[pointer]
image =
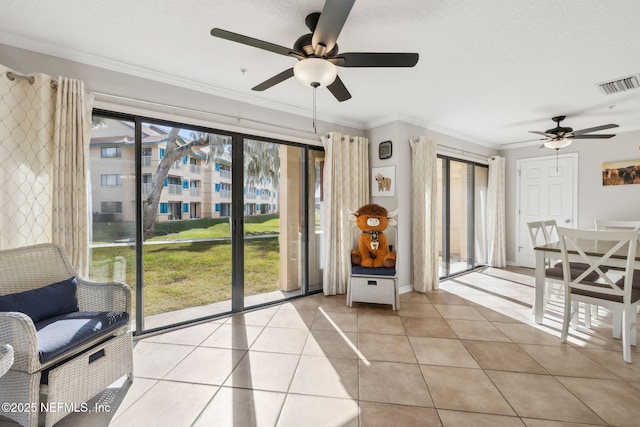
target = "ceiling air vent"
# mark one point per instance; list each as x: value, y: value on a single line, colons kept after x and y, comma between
x: 620, y: 85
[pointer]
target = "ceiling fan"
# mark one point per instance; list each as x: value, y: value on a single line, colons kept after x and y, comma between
x: 317, y: 52
x: 560, y: 136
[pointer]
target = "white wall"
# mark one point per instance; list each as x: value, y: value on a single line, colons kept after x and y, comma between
x: 399, y: 133
x: 620, y: 202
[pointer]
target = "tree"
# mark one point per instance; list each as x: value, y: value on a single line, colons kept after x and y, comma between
x: 175, y: 149
x: 261, y: 165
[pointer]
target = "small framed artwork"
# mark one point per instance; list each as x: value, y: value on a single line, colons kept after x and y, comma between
x: 383, y: 181
x: 621, y: 173
x: 384, y: 150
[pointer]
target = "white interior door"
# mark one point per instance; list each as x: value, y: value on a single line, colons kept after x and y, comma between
x: 547, y: 189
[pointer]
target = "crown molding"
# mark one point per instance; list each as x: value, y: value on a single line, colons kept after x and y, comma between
x: 430, y: 126
x: 150, y: 74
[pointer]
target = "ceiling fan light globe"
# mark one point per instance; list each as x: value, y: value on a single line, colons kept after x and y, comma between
x: 558, y: 143
x: 315, y: 70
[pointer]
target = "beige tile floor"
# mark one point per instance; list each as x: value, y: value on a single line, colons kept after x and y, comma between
x: 468, y: 354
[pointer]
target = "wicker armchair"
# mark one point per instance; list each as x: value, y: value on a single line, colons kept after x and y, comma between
x: 77, y: 374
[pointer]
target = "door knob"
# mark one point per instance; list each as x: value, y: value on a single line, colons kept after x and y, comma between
x: 567, y: 221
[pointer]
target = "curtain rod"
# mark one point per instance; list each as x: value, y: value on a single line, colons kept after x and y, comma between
x: 466, y: 152
x: 12, y: 75
x: 193, y: 110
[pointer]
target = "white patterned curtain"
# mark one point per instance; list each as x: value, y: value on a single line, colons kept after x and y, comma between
x: 44, y: 135
x: 424, y: 214
x: 496, y: 227
x: 71, y: 183
x: 26, y: 153
x: 346, y: 187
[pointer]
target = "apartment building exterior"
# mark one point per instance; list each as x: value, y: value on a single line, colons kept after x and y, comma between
x: 192, y: 188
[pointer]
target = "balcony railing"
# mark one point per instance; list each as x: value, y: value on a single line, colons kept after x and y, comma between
x: 146, y: 161
x: 195, y: 169
x: 225, y: 173
x: 225, y: 194
x: 195, y: 191
x: 175, y: 189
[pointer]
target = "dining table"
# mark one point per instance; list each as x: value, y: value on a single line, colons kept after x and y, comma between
x: 593, y: 249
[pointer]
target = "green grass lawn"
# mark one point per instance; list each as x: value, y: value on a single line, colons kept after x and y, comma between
x: 181, y: 274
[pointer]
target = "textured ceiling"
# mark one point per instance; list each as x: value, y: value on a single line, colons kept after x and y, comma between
x: 489, y: 70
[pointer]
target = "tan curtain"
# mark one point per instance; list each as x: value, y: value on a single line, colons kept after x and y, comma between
x: 44, y: 148
x: 26, y: 159
x: 346, y: 187
x: 424, y: 187
x: 496, y: 226
x: 70, y: 205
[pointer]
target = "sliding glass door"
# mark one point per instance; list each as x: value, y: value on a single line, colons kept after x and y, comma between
x: 187, y: 256
x: 273, y: 203
x: 461, y: 211
x: 200, y: 222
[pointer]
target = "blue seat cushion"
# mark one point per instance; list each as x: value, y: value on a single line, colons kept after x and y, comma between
x: 64, y: 332
x: 373, y: 271
x: 45, y: 302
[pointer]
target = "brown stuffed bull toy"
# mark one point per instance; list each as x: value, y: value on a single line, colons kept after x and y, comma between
x: 373, y: 248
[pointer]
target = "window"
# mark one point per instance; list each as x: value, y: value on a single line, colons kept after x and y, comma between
x: 110, y: 152
x: 111, y: 207
x: 110, y: 179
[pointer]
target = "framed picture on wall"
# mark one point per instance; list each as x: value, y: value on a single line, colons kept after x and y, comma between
x: 383, y: 181
x: 621, y: 173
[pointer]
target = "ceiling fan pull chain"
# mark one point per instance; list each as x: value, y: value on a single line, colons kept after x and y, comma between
x: 315, y: 88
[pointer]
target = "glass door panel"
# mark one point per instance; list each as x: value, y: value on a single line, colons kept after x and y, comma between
x: 481, y: 183
x: 113, y: 201
x: 458, y: 216
x: 186, y: 223
x: 441, y: 220
x: 315, y: 221
x: 273, y: 221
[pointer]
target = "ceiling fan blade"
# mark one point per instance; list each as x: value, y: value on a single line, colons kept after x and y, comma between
x: 332, y: 19
x: 377, y: 59
x: 527, y: 140
x: 338, y: 89
x: 601, y: 136
x: 278, y: 78
x: 250, y: 41
x: 538, y: 133
x: 594, y: 129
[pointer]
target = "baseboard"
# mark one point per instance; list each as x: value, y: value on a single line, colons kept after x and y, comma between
x: 405, y: 289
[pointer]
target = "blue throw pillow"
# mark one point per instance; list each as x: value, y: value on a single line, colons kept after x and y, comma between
x: 42, y: 303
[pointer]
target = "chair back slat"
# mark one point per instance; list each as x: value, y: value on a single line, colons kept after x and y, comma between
x: 580, y: 241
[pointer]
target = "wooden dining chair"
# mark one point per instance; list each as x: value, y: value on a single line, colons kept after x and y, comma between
x: 541, y: 233
x: 615, y: 225
x: 621, y: 296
